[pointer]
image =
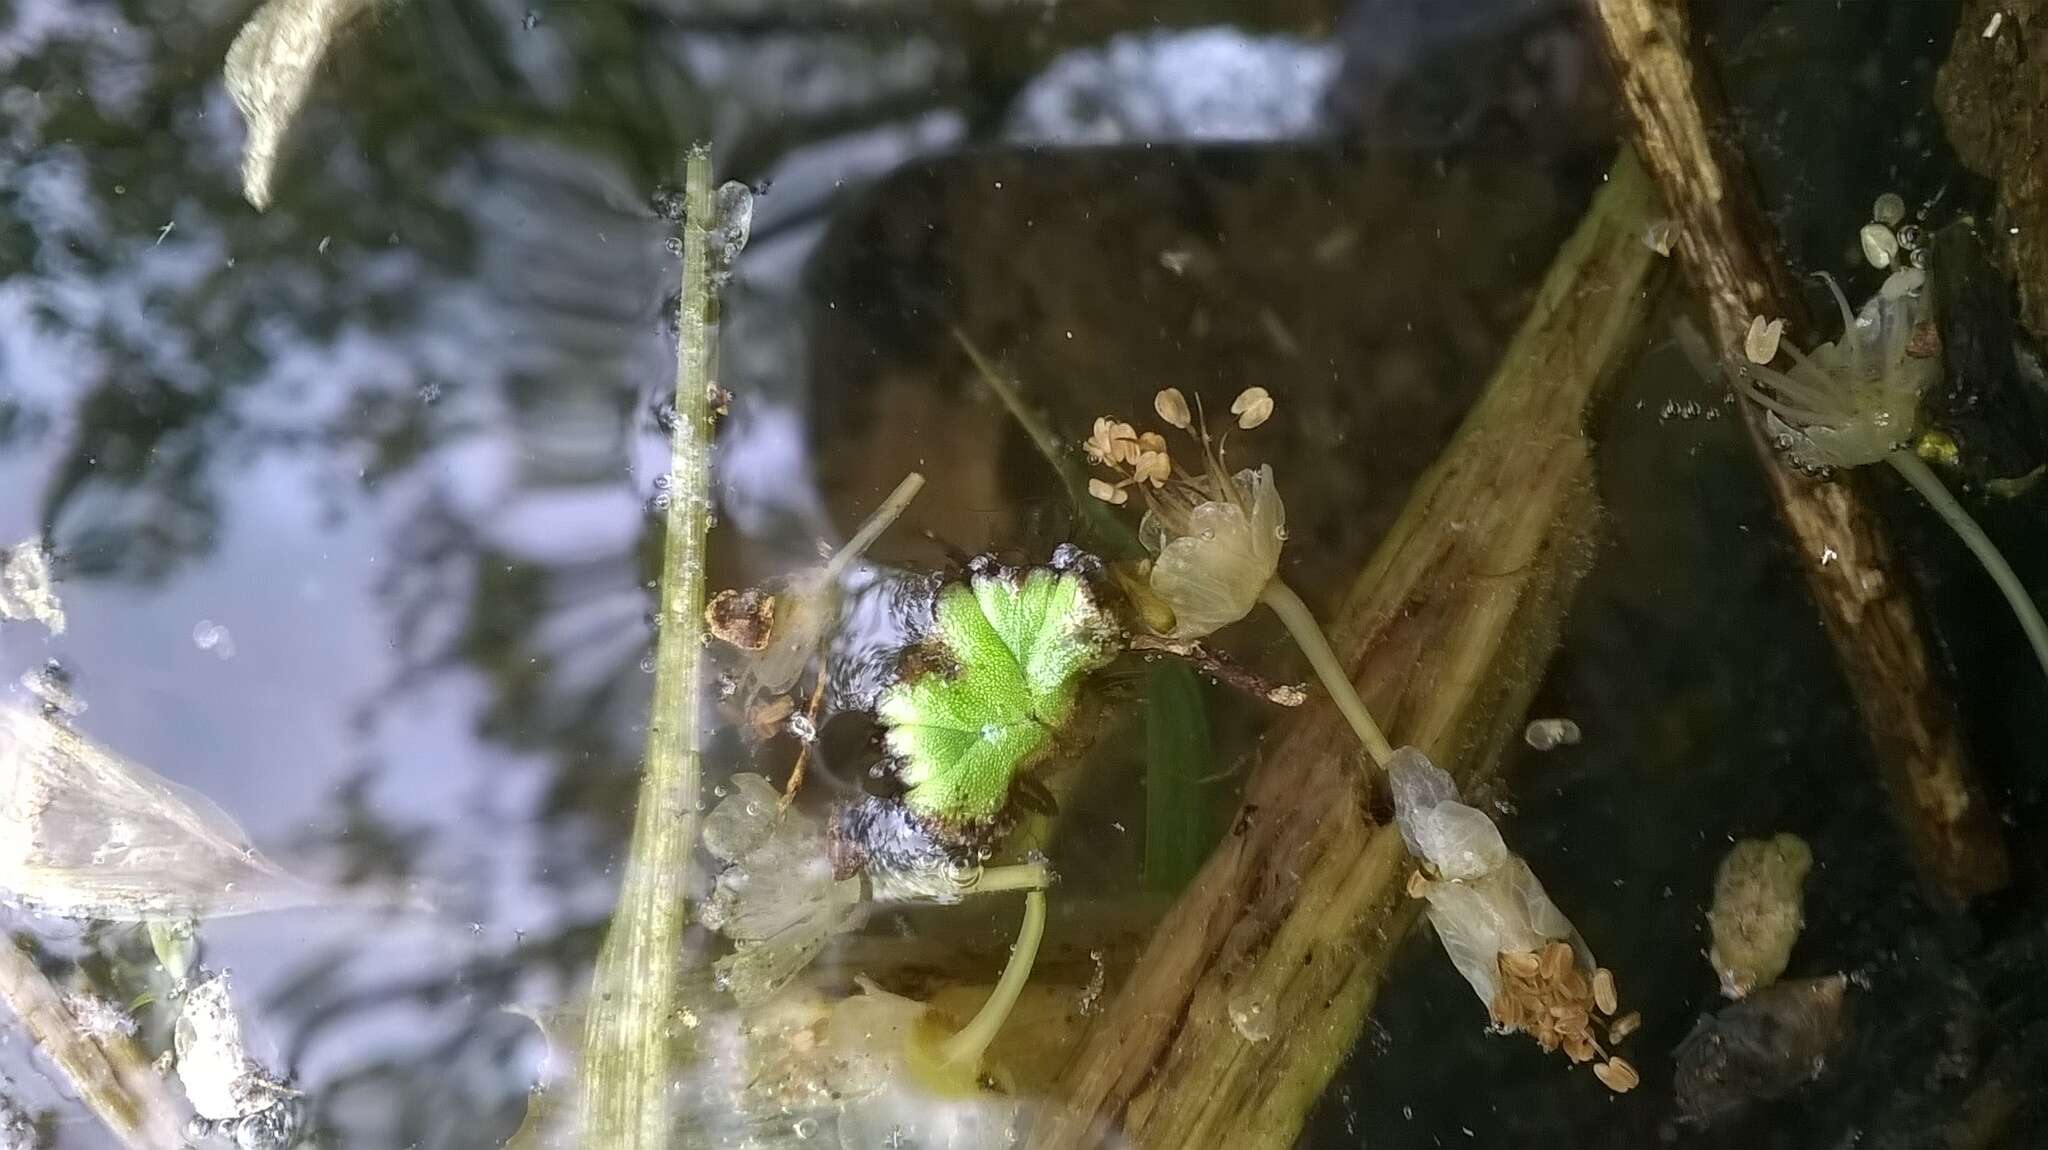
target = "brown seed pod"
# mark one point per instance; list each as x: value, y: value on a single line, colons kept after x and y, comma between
x: 744, y: 618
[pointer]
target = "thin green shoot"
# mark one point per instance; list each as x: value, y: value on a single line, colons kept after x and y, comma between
x: 877, y: 522
x: 1945, y: 505
x: 1308, y: 635
x: 963, y: 1051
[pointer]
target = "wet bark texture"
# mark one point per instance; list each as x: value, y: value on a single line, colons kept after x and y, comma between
x: 1724, y: 250
x: 1993, y: 97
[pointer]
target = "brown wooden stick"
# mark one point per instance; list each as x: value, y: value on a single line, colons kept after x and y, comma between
x: 109, y: 1074
x: 1230, y: 674
x: 1253, y: 990
x: 1724, y: 250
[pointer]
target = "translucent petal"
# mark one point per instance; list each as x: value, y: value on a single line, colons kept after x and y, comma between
x: 1212, y: 570
x: 1489, y: 900
x: 804, y: 610
x: 743, y: 820
x: 1459, y: 841
x: 778, y: 902
x: 87, y: 834
x: 870, y: 1037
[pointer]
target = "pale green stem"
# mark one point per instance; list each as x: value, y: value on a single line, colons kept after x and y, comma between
x: 990, y: 880
x: 966, y: 1047
x: 1935, y: 492
x: 629, y: 1042
x: 1019, y: 876
x: 877, y: 523
x: 1308, y: 635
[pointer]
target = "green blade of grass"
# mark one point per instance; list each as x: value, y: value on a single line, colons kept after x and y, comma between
x: 1180, y: 824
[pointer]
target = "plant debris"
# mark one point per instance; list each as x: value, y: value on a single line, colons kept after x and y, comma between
x: 270, y: 70
x: 221, y: 1081
x: 86, y: 834
x: 25, y: 591
x: 1758, y: 911
x: 744, y: 618
x: 1759, y: 1048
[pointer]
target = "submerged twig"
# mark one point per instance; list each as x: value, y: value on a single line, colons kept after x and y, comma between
x: 628, y: 1041
x: 109, y: 1074
x: 1223, y: 670
x: 1723, y: 246
x: 803, y: 750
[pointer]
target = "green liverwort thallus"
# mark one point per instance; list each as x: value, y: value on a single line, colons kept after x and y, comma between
x: 1011, y: 647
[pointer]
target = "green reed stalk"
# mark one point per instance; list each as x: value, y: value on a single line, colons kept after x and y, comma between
x: 629, y: 1038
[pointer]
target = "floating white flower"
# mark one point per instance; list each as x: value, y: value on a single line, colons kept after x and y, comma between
x: 1216, y: 537
x: 1855, y: 400
x: 1217, y: 544
x: 1519, y: 952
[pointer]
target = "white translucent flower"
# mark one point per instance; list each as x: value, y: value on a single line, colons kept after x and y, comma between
x: 1485, y: 901
x: 777, y: 900
x: 1856, y: 400
x: 1217, y: 544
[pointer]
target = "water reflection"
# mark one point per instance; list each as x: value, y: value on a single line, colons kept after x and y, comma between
x: 388, y: 447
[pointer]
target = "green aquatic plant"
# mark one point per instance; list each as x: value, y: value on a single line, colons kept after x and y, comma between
x: 992, y: 687
x: 1855, y: 401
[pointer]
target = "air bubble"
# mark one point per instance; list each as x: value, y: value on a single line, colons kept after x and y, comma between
x: 802, y: 728
x: 208, y: 635
x: 1251, y: 1015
